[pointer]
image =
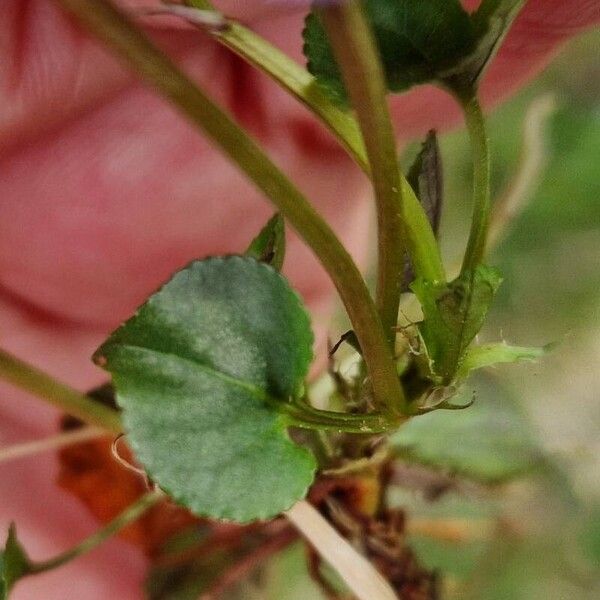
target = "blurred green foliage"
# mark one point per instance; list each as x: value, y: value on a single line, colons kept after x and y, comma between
x: 488, y: 442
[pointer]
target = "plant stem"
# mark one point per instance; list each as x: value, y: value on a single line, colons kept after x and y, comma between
x: 354, y: 48
x: 293, y: 78
x: 296, y: 80
x: 481, y: 181
x: 107, y: 23
x: 305, y: 416
x: 54, y: 442
x: 128, y: 516
x: 64, y: 397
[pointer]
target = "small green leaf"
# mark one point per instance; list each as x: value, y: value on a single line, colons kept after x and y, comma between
x: 269, y: 245
x: 453, y: 315
x: 478, y: 357
x: 198, y: 371
x: 489, y: 442
x: 14, y: 563
x: 419, y: 41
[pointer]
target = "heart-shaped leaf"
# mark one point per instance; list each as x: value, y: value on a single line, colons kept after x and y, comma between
x: 419, y: 41
x: 14, y: 563
x: 199, y: 370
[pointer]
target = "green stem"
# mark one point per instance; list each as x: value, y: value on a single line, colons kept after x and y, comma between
x: 128, y: 516
x: 111, y: 26
x: 420, y: 238
x: 422, y: 244
x: 481, y: 181
x: 300, y: 414
x: 354, y: 48
x: 292, y: 77
x: 71, y: 401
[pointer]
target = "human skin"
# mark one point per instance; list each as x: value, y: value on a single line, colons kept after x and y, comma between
x: 105, y: 190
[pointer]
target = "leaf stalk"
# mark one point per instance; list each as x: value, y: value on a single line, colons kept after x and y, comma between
x: 293, y: 78
x: 28, y: 378
x: 300, y: 414
x: 354, y: 48
x: 480, y: 223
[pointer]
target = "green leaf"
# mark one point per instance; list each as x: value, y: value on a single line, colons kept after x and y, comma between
x: 490, y: 442
x: 197, y: 370
x: 486, y: 355
x: 14, y: 563
x: 419, y: 41
x: 453, y: 315
x: 416, y: 39
x: 269, y: 245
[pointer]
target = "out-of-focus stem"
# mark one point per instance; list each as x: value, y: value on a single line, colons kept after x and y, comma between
x: 74, y: 403
x: 55, y: 442
x: 532, y: 162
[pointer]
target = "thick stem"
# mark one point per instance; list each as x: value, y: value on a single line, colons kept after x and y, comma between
x: 111, y: 26
x: 354, y: 48
x: 128, y: 516
x: 481, y: 182
x: 71, y: 401
x: 250, y: 562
